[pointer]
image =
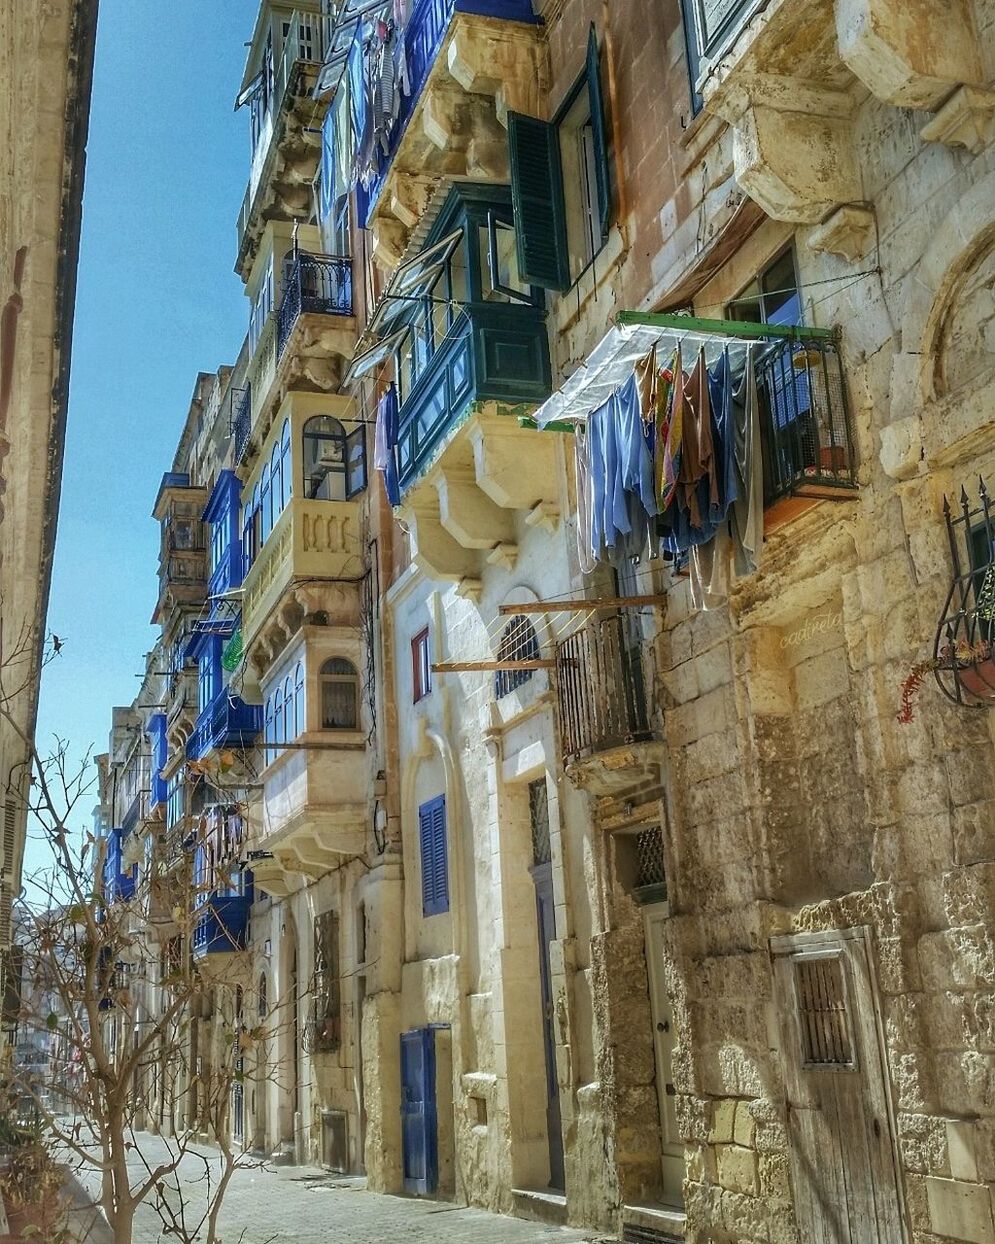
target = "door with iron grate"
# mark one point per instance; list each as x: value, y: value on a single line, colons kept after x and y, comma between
x: 839, y: 1115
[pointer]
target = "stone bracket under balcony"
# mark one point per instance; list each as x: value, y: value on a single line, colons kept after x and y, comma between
x: 485, y: 67
x: 792, y: 80
x: 462, y: 511
x: 318, y: 839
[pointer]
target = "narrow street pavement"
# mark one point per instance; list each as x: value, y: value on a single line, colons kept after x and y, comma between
x: 306, y: 1204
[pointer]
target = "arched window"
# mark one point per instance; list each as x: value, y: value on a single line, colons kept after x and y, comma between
x: 518, y: 643
x: 300, y: 721
x: 276, y: 484
x: 324, y: 459
x: 278, y: 731
x: 265, y: 505
x: 263, y: 1006
x: 239, y: 1004
x: 339, y: 695
x: 285, y: 463
x: 289, y: 714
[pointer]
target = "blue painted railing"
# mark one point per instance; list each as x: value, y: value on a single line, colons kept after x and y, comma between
x: 222, y: 925
x: 226, y: 722
x: 423, y: 37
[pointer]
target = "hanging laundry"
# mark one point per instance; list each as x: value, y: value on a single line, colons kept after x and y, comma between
x: 586, y: 558
x: 748, y: 506
x: 720, y: 392
x: 385, y: 443
x: 697, y: 458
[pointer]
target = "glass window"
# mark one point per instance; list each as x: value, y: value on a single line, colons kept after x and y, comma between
x: 339, y: 695
x: 268, y: 730
x: 324, y: 459
x: 265, y: 507
x: 773, y: 298
x: 499, y: 274
x: 518, y: 643
x: 300, y: 720
x: 276, y: 483
x: 285, y: 464
x: 421, y: 665
x: 580, y: 186
x: 279, y: 736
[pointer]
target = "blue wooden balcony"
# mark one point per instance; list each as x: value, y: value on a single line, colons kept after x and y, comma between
x: 492, y: 353
x: 222, y: 925
x: 225, y: 722
x: 424, y: 36
x: 118, y: 882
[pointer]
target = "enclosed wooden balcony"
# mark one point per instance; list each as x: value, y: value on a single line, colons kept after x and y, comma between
x: 310, y: 540
x: 315, y: 803
x: 283, y: 64
x: 469, y: 64
x: 182, y: 549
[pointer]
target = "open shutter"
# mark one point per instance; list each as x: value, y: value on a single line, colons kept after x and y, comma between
x: 537, y: 201
x: 599, y: 133
x: 355, y: 462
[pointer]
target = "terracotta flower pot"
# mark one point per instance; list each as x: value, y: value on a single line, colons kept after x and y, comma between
x: 977, y: 680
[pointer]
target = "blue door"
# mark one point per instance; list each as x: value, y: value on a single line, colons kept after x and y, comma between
x: 419, y: 1115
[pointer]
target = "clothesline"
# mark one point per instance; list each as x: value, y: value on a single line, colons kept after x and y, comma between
x: 634, y: 334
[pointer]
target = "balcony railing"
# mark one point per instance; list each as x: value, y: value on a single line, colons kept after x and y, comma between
x: 241, y: 422
x: 806, y: 436
x: 601, y: 690
x: 225, y: 722
x: 317, y: 285
x: 423, y: 36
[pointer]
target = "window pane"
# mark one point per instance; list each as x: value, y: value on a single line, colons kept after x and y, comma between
x: 781, y: 300
x: 338, y: 704
x: 507, y: 274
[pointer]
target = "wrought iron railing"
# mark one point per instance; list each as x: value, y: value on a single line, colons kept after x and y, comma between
x: 601, y: 689
x: 319, y: 284
x: 806, y: 436
x: 241, y: 421
x: 964, y: 651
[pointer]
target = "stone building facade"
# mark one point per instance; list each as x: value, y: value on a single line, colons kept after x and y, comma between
x: 642, y: 916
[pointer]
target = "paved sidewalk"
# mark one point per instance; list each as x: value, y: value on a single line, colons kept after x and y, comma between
x: 265, y: 1205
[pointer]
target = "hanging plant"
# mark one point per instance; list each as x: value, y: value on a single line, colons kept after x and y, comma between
x: 964, y: 656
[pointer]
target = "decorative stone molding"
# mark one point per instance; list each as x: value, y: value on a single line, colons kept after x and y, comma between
x: 847, y: 232
x: 910, y: 53
x: 965, y: 120
x: 467, y: 513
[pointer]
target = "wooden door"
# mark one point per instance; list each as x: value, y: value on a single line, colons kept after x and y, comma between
x: 542, y: 876
x: 419, y: 1111
x: 671, y: 1146
x: 839, y: 1116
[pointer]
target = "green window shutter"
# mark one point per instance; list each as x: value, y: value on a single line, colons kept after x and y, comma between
x: 537, y: 201
x: 601, y: 169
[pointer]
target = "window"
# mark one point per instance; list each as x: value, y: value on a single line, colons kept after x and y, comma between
x: 822, y: 1012
x: 327, y: 987
x: 339, y: 695
x: 262, y: 305
x: 772, y: 298
x: 209, y: 675
x: 175, y: 799
x: 519, y: 642
x: 560, y: 183
x: 269, y: 735
x: 299, y: 705
x: 434, y: 858
x: 283, y: 714
x: 285, y: 466
x: 539, y: 821
x: 334, y: 463
x: 263, y: 1006
x: 421, y: 665
x: 276, y: 485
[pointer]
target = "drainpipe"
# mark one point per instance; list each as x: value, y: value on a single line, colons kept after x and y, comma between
x: 623, y: 198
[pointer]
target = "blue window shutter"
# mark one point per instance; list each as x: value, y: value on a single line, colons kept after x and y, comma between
x: 599, y: 132
x: 434, y: 857
x: 537, y: 201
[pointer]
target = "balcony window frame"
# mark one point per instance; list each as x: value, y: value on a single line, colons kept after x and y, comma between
x: 336, y: 673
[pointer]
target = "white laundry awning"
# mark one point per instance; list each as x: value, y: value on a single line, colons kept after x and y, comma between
x: 634, y: 334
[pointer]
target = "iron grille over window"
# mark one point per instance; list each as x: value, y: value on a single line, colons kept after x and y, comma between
x: 649, y: 852
x: 327, y: 991
x: 539, y: 819
x: 822, y: 1012
x: 519, y: 642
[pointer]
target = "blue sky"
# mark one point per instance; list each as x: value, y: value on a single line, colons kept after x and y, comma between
x: 167, y: 163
